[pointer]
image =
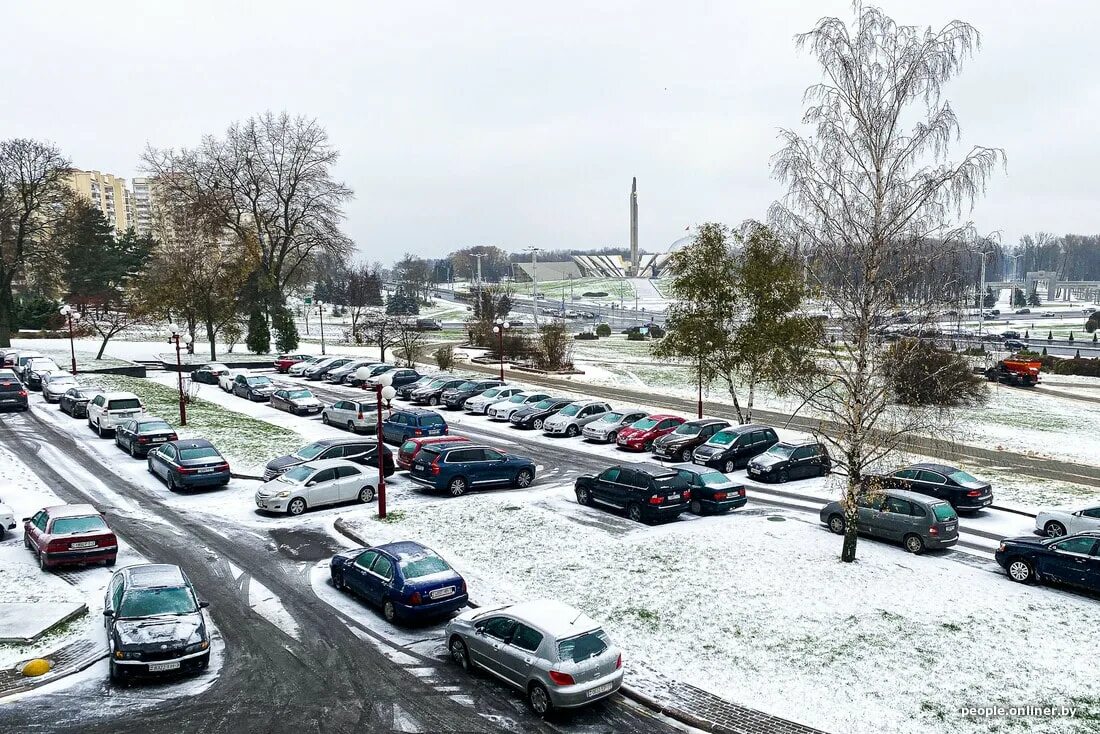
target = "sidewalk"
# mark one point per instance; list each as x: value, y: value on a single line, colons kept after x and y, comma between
x: 71, y: 658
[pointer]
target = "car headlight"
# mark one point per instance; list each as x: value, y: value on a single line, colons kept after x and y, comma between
x: 284, y: 494
x: 197, y: 647
x: 127, y: 655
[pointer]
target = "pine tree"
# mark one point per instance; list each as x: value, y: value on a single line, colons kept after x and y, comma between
x: 286, y: 332
x: 1050, y: 336
x: 1071, y: 337
x: 1044, y: 351
x: 1077, y: 355
x: 1027, y: 334
x: 258, y: 340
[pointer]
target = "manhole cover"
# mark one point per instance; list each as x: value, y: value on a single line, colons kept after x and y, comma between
x: 776, y: 518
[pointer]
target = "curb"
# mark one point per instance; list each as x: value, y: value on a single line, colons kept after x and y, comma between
x: 633, y: 694
x: 82, y: 609
x: 235, y: 475
x: 22, y: 685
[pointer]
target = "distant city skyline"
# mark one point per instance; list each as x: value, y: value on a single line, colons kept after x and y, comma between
x: 502, y: 124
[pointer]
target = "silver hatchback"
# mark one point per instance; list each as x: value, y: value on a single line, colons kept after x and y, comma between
x: 558, y: 656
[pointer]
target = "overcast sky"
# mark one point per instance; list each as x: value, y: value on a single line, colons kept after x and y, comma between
x: 521, y: 124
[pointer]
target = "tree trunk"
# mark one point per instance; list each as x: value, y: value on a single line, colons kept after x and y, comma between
x: 851, y: 516
x: 103, y: 345
x: 752, y: 398
x: 191, y: 330
x: 210, y: 338
x: 6, y: 316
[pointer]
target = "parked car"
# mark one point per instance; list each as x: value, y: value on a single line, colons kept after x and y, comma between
x: 36, y: 369
x: 399, y: 376
x: 432, y: 393
x: 54, y: 385
x: 428, y: 325
x: 1015, y: 344
x: 1023, y: 310
x: 357, y: 416
x: 8, y: 357
x: 411, y: 448
x: 457, y: 469
x: 605, y: 429
x: 227, y: 379
x: 138, y: 436
x: 406, y: 423
x: 7, y: 519
x: 791, y: 460
x: 155, y: 622
x: 298, y: 401
x: 1056, y: 523
x: 640, y: 435
x: 13, y: 395
x: 108, y: 409
x: 646, y: 492
x: 406, y: 579
x: 712, y: 492
x: 256, y: 388
x: 284, y: 362
x: 916, y: 521
x: 357, y: 450
x: 965, y: 492
x: 317, y: 483
x: 376, y: 369
x: 503, y: 410
x: 732, y: 448
x: 570, y: 420
x: 407, y: 389
x: 1047, y: 314
x: 209, y: 373
x: 681, y: 443
x: 456, y: 397
x: 340, y: 374
x: 296, y: 369
x: 556, y: 655
x: 21, y: 360
x: 534, y: 416
x: 318, y: 370
x: 184, y: 464
x: 1071, y: 559
x: 1011, y: 334
x: 73, y: 401
x: 479, y: 404
x: 64, y: 535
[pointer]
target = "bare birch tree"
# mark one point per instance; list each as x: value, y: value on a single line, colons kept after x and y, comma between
x: 873, y: 202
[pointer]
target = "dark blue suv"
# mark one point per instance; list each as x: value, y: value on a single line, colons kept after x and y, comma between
x: 409, y: 423
x: 458, y: 467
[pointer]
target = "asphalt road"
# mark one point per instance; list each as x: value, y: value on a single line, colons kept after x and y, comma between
x: 341, y: 676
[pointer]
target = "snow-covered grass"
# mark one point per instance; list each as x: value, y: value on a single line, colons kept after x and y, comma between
x: 554, y: 289
x: 58, y: 351
x: 762, y: 613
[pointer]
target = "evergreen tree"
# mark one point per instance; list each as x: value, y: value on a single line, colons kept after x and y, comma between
x: 1019, y: 300
x: 258, y: 340
x: 1071, y: 337
x: 1050, y: 336
x: 286, y: 332
x: 1033, y: 299
x: 1077, y: 355
x: 1044, y: 351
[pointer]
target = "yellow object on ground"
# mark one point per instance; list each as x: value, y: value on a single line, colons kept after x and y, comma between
x: 36, y: 667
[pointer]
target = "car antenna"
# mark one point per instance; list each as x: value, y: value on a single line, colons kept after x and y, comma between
x: 576, y: 618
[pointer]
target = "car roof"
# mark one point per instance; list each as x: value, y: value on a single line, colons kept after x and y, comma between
x: 149, y: 419
x: 153, y: 575
x: 328, y: 463
x: 555, y: 618
x: 588, y: 401
x: 705, y: 422
x: 746, y: 427
x: 117, y: 395
x: 414, y: 411
x: 662, y: 416
x: 914, y: 497
x: 653, y: 470
x: 192, y: 443
x: 941, y: 468
x: 326, y: 442
x: 403, y: 549
x: 79, y: 510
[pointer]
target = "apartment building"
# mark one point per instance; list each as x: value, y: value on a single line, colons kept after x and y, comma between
x: 143, y: 212
x: 108, y: 193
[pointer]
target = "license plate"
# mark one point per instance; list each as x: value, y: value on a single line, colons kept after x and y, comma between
x: 420, y: 467
x: 127, y: 414
x: 597, y: 691
x: 440, y: 593
x: 753, y: 471
x: 160, y: 667
x: 7, y: 400
x: 205, y: 471
x: 949, y: 528
x: 82, y: 544
x: 159, y: 440
x: 672, y: 497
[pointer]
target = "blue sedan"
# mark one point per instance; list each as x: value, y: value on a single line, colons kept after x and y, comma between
x: 407, y: 580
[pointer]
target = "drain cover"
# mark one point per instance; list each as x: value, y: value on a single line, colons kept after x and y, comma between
x: 776, y: 518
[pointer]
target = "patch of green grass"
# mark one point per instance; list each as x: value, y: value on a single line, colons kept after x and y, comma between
x: 393, y: 517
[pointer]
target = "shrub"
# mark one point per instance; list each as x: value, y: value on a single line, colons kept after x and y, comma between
x: 1077, y: 366
x: 635, y: 336
x: 594, y: 294
x: 921, y: 374
x: 586, y: 336
x: 553, y: 347
x: 444, y: 357
x: 1071, y: 337
x: 603, y: 330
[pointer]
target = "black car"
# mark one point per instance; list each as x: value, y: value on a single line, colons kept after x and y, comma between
x: 74, y: 401
x: 318, y: 373
x: 647, y: 492
x: 965, y: 492
x: 733, y: 447
x: 208, y: 374
x: 353, y: 380
x: 432, y: 393
x: 296, y: 400
x: 1015, y: 344
x: 405, y: 390
x: 189, y: 463
x: 712, y: 492
x: 1070, y: 559
x: 791, y: 460
x: 428, y: 325
x: 679, y: 445
x: 534, y: 415
x: 13, y: 396
x: 359, y: 450
x: 139, y: 435
x: 1011, y: 334
x: 456, y: 397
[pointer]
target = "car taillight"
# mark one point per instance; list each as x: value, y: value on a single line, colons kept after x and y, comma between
x: 360, y: 415
x: 932, y: 531
x: 1001, y: 548
x: 619, y: 661
x: 435, y: 466
x: 561, y: 679
x: 418, y: 432
x: 173, y: 437
x: 741, y: 492
x: 655, y: 500
x: 56, y: 546
x: 461, y: 587
x: 224, y: 466
x: 188, y: 470
x: 415, y: 598
x: 143, y: 439
x: 22, y: 393
x: 719, y: 496
x: 687, y: 494
x: 974, y: 493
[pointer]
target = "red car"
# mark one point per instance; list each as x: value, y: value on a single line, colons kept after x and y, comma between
x: 284, y: 362
x: 410, y: 448
x: 640, y: 435
x: 70, y: 534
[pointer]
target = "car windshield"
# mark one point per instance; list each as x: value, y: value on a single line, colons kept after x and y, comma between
x: 466, y: 386
x: 713, y: 478
x: 437, y: 383
x: 86, y: 524
x: 781, y: 450
x: 153, y: 602
x: 491, y: 392
x: 612, y: 417
x: 688, y: 429
x: 408, y: 447
x: 963, y: 478
x: 944, y: 512
x: 425, y: 565
x: 299, y: 394
x: 644, y: 424
x: 571, y: 409
x: 199, y: 452
x: 723, y: 438
x: 83, y: 394
x: 517, y: 398
x: 310, y: 451
x: 258, y: 380
x: 153, y: 427
x: 62, y: 380
x: 298, y: 473
x: 583, y: 647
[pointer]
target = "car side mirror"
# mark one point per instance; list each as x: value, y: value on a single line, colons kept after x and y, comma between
x: 310, y: 483
x: 25, y: 519
x: 204, y: 604
x: 479, y: 630
x: 108, y: 612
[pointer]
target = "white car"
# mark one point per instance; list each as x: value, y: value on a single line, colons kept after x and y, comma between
x: 108, y: 409
x: 1056, y: 523
x: 225, y: 381
x: 54, y: 385
x: 503, y: 410
x: 1047, y: 314
x: 298, y: 368
x: 316, y: 483
x: 571, y: 420
x: 479, y: 404
x: 7, y: 520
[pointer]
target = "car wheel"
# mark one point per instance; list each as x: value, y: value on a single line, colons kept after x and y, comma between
x: 784, y: 476
x: 110, y: 561
x: 134, y: 451
x: 118, y: 677
x: 42, y: 562
x: 389, y: 611
x: 729, y: 467
x: 696, y: 507
x: 459, y: 653
x: 1054, y: 529
x: 324, y: 418
x: 539, y: 699
x: 118, y: 443
x: 338, y: 582
x: 537, y: 425
x: 584, y: 497
x: 1021, y: 571
x: 836, y: 524
x: 351, y: 427
x: 572, y: 431
x: 366, y: 494
x: 685, y: 456
x: 613, y: 436
x: 433, y: 400
x: 914, y: 544
x: 98, y: 429
x: 523, y: 479
x: 170, y: 480
x: 149, y: 466
x: 634, y: 512
x: 296, y: 506
x: 457, y: 487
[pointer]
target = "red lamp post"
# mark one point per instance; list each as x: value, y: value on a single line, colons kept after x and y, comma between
x: 499, y: 330
x: 71, y: 313
x: 383, y: 391
x: 176, y: 337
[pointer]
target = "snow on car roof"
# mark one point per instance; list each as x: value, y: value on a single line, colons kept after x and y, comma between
x: 553, y: 617
x: 151, y: 575
x: 71, y: 510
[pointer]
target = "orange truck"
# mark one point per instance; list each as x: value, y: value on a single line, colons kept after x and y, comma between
x: 1018, y: 372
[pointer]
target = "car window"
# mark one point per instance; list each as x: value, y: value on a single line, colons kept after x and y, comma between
x: 149, y: 426
x: 383, y: 567
x: 491, y: 393
x: 200, y: 452
x: 492, y: 454
x: 666, y: 423
x: 944, y: 512
x: 931, y: 477
x: 723, y: 438
x: 644, y: 424
x: 124, y: 404
x: 1075, y: 545
x: 415, y: 567
x: 366, y: 558
x: 325, y: 475
x: 635, y: 479
x: 906, y: 474
x: 116, y: 593
x: 40, y: 520
x: 611, y: 475
x: 431, y: 420
x: 583, y: 647
x: 872, y: 502
x: 526, y: 638
x: 569, y: 410
x: 899, y: 506
x: 689, y: 429
x: 916, y: 510
x: 343, y: 472
x: 1091, y: 512
x: 298, y: 473
x: 499, y: 627
x: 802, y: 452
x: 408, y: 447
x: 960, y: 477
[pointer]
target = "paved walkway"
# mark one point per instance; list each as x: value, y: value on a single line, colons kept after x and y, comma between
x: 69, y: 659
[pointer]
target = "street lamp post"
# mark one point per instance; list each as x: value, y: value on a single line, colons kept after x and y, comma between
x: 321, y: 312
x: 383, y: 391
x: 500, y: 327
x: 176, y: 337
x: 71, y: 313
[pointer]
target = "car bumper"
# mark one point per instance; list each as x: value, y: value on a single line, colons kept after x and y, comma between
x: 432, y: 609
x: 723, y: 505
x: 434, y: 483
x: 308, y: 410
x: 763, y: 475
x: 183, y: 664
x: 202, y: 480
x: 936, y: 543
x: 16, y: 404
x: 455, y: 403
x: 667, y: 452
x: 92, y: 555
x: 582, y: 694
x: 272, y: 504
x: 259, y: 397
x: 663, y: 512
x: 631, y: 445
x: 974, y: 506
x: 554, y: 430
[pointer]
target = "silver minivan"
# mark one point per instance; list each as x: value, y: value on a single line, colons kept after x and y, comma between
x: 917, y: 521
x: 358, y: 416
x: 572, y: 418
